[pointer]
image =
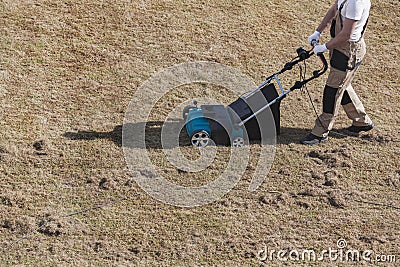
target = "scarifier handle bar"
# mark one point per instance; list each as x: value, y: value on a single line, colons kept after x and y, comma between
x: 302, y: 55
x: 316, y: 73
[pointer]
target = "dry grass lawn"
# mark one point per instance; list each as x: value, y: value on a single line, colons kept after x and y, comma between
x: 68, y: 70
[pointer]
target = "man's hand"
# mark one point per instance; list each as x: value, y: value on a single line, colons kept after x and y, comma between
x: 320, y: 49
x: 315, y: 36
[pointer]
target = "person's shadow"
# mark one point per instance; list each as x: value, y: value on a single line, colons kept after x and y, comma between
x: 153, y: 134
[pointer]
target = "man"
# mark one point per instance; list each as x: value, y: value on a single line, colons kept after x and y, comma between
x: 348, y: 19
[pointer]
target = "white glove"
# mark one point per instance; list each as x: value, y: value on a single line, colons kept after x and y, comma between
x: 315, y: 36
x: 320, y: 49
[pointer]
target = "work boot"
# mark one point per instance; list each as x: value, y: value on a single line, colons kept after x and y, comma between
x: 357, y: 129
x: 312, y: 139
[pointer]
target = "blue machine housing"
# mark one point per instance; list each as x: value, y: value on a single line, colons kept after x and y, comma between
x: 195, y: 122
x: 216, y: 121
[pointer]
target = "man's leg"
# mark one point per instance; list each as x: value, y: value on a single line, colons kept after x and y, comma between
x: 337, y: 83
x: 354, y: 108
x: 325, y: 121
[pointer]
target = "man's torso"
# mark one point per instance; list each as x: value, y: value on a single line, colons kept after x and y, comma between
x: 357, y: 10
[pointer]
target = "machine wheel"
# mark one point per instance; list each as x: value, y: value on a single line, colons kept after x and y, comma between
x: 238, y: 141
x: 185, y: 111
x: 200, y: 139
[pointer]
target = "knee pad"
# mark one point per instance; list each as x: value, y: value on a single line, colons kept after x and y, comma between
x: 328, y: 100
x: 346, y: 99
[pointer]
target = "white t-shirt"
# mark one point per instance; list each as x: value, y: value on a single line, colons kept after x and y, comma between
x: 356, y: 10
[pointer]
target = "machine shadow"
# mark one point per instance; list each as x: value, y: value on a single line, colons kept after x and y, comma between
x: 153, y: 134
